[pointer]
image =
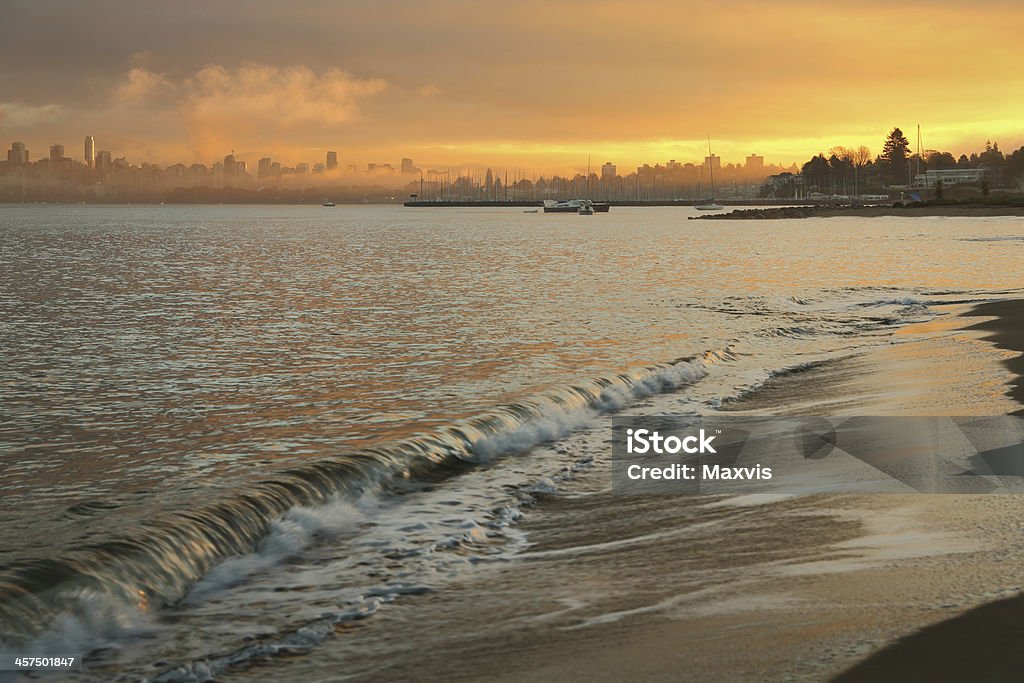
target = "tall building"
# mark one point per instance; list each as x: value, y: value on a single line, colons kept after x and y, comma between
x: 609, y: 170
x: 755, y: 162
x: 263, y: 168
x: 230, y: 165
x: 90, y: 151
x: 104, y: 161
x: 713, y: 162
x: 56, y: 152
x: 17, y: 155
x: 408, y: 167
x: 332, y: 161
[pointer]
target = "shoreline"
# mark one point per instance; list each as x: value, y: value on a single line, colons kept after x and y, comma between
x: 908, y: 211
x: 1006, y: 331
x: 982, y: 643
x: 844, y: 587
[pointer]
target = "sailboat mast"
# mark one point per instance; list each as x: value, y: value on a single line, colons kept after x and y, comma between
x: 919, y: 149
x: 711, y: 167
x: 588, y: 176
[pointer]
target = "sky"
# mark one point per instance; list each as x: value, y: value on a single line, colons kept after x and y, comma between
x: 535, y: 86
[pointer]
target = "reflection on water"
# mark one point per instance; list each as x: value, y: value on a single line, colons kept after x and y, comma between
x: 158, y: 357
x: 154, y: 348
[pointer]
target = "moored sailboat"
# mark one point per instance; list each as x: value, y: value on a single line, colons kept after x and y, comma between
x: 710, y: 204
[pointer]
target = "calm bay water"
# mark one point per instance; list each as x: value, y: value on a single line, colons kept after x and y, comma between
x: 161, y: 360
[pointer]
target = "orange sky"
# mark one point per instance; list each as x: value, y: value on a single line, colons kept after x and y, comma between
x: 537, y: 86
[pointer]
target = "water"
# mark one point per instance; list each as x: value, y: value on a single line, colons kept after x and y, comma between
x: 229, y: 433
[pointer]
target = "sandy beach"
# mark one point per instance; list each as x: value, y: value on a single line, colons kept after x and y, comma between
x: 843, y: 587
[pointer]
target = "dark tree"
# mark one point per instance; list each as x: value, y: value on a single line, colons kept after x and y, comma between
x: 817, y: 173
x: 1013, y: 169
x: 939, y: 160
x: 894, y: 156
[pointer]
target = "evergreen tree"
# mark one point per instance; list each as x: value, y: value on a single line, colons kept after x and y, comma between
x: 992, y: 161
x: 894, y: 156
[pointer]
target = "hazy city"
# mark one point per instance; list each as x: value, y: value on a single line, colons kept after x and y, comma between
x: 844, y: 173
x: 96, y: 175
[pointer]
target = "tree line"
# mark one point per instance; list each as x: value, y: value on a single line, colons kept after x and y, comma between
x: 853, y: 170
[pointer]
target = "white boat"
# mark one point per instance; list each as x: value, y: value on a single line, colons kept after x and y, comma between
x: 586, y: 208
x: 573, y: 206
x: 710, y: 204
x: 328, y: 202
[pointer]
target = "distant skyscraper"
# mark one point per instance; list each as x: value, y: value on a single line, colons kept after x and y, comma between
x: 230, y: 165
x: 56, y: 152
x: 263, y: 168
x: 332, y: 161
x: 608, y: 170
x: 302, y: 168
x: 104, y: 162
x: 90, y: 151
x: 408, y: 167
x: 755, y: 162
x: 318, y: 168
x: 17, y: 155
x: 714, y: 161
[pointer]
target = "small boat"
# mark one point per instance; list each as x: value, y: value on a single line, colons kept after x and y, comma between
x: 586, y: 208
x: 327, y: 202
x: 573, y: 206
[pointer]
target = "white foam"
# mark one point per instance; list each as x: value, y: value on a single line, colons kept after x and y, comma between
x: 290, y: 534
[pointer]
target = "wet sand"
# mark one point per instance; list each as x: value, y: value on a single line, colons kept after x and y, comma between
x: 752, y: 588
x: 1006, y: 331
x: 984, y: 643
x: 843, y: 587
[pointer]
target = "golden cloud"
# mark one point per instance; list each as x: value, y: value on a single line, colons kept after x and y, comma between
x: 140, y: 85
x: 221, y: 106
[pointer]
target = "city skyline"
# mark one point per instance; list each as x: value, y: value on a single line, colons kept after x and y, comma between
x: 526, y: 86
x: 20, y: 153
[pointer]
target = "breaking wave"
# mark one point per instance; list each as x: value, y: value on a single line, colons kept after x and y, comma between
x: 97, y: 591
